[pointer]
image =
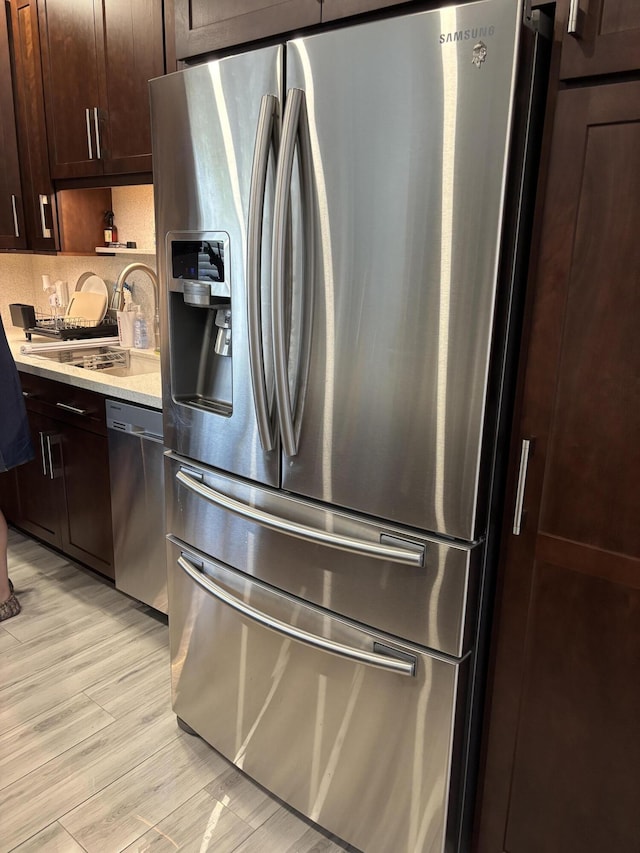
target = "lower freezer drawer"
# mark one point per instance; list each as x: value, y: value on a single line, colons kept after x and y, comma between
x: 355, y: 730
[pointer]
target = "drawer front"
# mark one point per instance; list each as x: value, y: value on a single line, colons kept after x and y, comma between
x: 433, y: 603
x: 67, y: 403
x: 316, y: 709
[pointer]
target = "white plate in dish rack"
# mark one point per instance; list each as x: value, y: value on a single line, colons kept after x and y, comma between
x: 91, y: 283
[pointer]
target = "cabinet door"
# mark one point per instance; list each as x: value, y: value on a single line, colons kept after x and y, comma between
x: 332, y: 10
x: 39, y: 200
x: 86, y: 534
x: 11, y: 219
x: 41, y: 502
x: 563, y: 750
x: 603, y: 38
x: 206, y: 25
x: 71, y: 64
x: 134, y: 54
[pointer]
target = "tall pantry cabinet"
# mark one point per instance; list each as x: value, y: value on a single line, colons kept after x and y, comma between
x: 562, y: 749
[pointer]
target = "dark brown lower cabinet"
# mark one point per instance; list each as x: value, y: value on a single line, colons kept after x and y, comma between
x: 41, y: 503
x: 63, y: 495
x: 86, y: 532
x: 562, y: 748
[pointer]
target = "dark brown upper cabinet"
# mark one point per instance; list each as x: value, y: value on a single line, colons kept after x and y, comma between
x: 97, y: 59
x: 38, y: 198
x: 12, y: 233
x: 601, y: 37
x: 333, y: 10
x: 207, y: 25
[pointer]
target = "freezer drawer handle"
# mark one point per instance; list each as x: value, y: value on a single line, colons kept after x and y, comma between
x: 404, y: 665
x: 412, y: 554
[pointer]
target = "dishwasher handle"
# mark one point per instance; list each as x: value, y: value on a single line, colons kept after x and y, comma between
x: 137, y: 432
x: 134, y: 421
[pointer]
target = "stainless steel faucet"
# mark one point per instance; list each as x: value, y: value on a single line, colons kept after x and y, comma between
x: 138, y: 265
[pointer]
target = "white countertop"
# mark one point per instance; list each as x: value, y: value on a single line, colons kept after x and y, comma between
x: 145, y: 388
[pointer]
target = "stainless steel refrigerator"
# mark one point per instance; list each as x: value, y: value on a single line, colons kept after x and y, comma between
x: 340, y: 238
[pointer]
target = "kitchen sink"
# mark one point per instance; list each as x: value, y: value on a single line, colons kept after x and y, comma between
x: 111, y: 361
x: 136, y: 367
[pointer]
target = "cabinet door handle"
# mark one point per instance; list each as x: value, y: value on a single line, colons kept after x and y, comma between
x: 522, y: 481
x: 576, y: 19
x: 16, y: 230
x: 44, y: 202
x: 75, y: 409
x: 52, y: 438
x: 88, y: 118
x: 96, y: 124
x: 43, y: 455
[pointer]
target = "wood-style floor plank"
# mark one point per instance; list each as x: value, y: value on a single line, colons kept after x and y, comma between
x: 121, y: 812
x: 251, y: 803
x: 60, y: 785
x: 52, y: 839
x: 202, y: 823
x: 149, y: 677
x: 91, y: 757
x: 28, y: 747
x: 7, y: 640
x: 78, y: 672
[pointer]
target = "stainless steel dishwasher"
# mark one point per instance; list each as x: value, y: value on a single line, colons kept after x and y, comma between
x: 137, y: 499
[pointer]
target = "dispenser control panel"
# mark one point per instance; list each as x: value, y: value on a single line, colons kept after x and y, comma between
x: 201, y: 258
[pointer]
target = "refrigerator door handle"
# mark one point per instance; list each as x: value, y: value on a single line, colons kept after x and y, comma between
x: 412, y: 554
x: 266, y: 139
x: 401, y: 665
x: 295, y: 128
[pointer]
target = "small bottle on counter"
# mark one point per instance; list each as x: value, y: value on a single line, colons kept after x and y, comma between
x: 140, y: 331
x: 110, y: 230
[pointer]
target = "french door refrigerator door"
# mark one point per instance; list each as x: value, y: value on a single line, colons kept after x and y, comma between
x: 408, y: 122
x: 355, y: 730
x: 215, y: 136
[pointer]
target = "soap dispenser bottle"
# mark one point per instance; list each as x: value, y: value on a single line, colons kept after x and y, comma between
x: 140, y: 331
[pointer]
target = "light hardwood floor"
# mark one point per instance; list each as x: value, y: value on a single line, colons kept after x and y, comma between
x: 91, y: 757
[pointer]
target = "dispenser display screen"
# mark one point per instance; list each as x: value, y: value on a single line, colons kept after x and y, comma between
x: 198, y: 260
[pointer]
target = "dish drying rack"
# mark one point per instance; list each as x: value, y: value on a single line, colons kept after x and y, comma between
x: 71, y: 328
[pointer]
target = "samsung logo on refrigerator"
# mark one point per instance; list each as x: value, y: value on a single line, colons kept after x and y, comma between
x: 466, y: 35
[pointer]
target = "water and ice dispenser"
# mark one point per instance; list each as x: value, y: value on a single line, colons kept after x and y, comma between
x: 201, y: 320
